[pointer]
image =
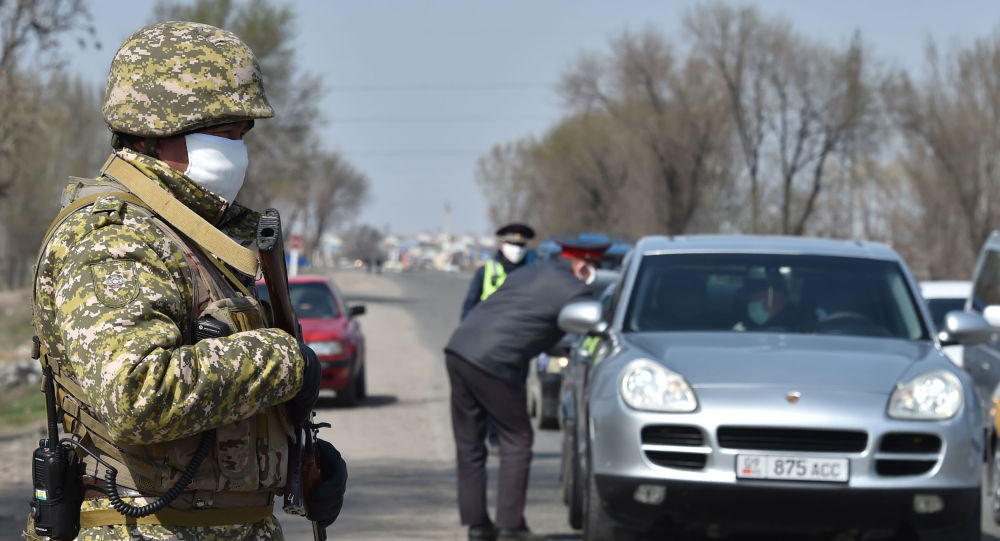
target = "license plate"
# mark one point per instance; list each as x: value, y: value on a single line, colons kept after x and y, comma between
x: 792, y: 468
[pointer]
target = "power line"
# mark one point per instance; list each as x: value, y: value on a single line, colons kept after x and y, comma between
x: 435, y: 119
x: 434, y: 87
x: 413, y: 153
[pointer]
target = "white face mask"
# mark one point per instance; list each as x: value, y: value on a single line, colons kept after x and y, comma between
x: 512, y: 252
x: 217, y: 163
x: 591, y: 274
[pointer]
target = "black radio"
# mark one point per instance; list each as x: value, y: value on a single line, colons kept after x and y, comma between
x: 56, y: 472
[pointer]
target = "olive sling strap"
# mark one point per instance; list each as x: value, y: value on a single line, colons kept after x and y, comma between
x: 176, y: 517
x: 181, y: 217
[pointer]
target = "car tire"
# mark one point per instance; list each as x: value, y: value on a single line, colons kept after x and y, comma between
x: 348, y: 398
x: 571, y: 484
x: 545, y: 422
x: 362, y: 383
x: 597, y: 525
x: 994, y: 479
x: 533, y: 389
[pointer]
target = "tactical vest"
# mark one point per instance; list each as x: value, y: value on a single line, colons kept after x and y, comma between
x: 493, y: 277
x: 248, y: 461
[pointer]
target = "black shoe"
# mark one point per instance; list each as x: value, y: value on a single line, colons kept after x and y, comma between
x: 523, y: 534
x: 482, y: 533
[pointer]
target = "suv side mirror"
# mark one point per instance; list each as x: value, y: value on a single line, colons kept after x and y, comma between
x: 582, y: 317
x: 966, y: 328
x: 356, y: 310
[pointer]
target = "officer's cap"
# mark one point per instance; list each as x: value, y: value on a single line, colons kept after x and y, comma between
x: 590, y: 251
x: 517, y: 233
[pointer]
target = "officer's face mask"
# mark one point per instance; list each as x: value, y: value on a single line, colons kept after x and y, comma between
x: 513, y: 252
x: 217, y: 163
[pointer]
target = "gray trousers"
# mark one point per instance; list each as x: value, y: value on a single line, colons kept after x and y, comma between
x: 474, y: 394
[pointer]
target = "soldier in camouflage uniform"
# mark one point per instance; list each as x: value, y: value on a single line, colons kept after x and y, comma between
x: 118, y: 290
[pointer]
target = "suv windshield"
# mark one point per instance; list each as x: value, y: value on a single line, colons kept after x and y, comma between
x: 773, y: 293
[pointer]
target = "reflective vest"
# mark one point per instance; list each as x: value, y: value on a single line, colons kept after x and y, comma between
x: 493, y: 277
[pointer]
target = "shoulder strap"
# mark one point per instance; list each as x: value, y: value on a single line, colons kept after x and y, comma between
x: 181, y: 217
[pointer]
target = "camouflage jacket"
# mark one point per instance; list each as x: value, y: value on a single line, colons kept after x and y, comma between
x: 115, y: 299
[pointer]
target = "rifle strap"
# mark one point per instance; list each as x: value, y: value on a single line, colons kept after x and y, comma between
x: 176, y: 517
x: 181, y: 217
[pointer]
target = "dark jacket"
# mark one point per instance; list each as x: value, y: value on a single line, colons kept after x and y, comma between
x: 476, y: 286
x: 502, y: 333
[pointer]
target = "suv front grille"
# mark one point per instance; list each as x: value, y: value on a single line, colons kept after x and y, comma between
x: 910, y: 442
x: 685, y: 461
x: 792, y: 439
x: 907, y: 453
x: 673, y: 435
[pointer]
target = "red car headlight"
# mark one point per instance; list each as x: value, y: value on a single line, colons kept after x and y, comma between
x: 327, y: 347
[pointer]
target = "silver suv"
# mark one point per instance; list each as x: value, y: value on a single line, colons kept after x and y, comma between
x: 762, y: 383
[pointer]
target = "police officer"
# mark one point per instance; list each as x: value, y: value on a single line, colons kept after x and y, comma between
x: 138, y: 255
x: 510, y: 256
x: 487, y: 359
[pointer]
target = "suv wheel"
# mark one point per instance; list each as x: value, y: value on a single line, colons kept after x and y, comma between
x: 571, y: 483
x: 597, y: 525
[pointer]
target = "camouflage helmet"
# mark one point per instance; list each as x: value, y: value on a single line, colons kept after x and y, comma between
x: 175, y: 77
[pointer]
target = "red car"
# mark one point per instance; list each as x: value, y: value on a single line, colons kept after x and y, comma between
x: 330, y: 328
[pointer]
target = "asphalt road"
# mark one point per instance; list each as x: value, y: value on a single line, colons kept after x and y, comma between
x: 398, y: 442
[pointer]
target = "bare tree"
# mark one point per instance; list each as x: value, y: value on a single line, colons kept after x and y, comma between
x: 791, y: 98
x: 336, y: 191
x: 673, y: 115
x: 30, y: 28
x: 950, y: 124
x: 505, y: 177
x: 363, y: 242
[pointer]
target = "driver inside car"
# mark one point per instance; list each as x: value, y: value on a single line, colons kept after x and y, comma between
x: 765, y: 306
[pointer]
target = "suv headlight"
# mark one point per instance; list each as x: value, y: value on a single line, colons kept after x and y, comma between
x: 647, y: 385
x: 931, y: 396
x: 327, y: 347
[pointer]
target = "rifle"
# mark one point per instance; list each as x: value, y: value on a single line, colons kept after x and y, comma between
x: 303, y: 469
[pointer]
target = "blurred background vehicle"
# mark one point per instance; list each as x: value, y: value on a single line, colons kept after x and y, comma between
x: 330, y: 327
x: 943, y: 296
x: 708, y: 408
x: 982, y: 362
x: 545, y: 371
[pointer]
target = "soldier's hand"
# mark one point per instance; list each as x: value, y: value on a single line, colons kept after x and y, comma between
x: 301, y: 405
x: 325, y: 502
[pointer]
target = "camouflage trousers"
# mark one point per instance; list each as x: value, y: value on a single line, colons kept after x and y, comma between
x: 265, y: 530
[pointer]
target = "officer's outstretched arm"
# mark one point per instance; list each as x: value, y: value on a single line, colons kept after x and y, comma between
x: 119, y: 308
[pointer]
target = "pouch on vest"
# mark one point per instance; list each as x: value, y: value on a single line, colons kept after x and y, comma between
x: 239, y: 313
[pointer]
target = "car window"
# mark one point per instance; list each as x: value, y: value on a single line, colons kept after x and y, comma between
x: 773, y: 293
x: 940, y: 307
x: 309, y: 299
x: 986, y: 291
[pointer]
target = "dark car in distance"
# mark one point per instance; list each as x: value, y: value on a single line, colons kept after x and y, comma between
x: 330, y: 327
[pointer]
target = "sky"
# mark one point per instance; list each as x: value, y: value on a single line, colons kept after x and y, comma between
x: 417, y: 90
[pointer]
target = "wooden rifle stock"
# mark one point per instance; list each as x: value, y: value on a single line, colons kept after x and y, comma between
x: 303, y: 470
x: 272, y: 263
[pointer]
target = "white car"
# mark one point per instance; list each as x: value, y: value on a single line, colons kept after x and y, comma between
x: 943, y: 296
